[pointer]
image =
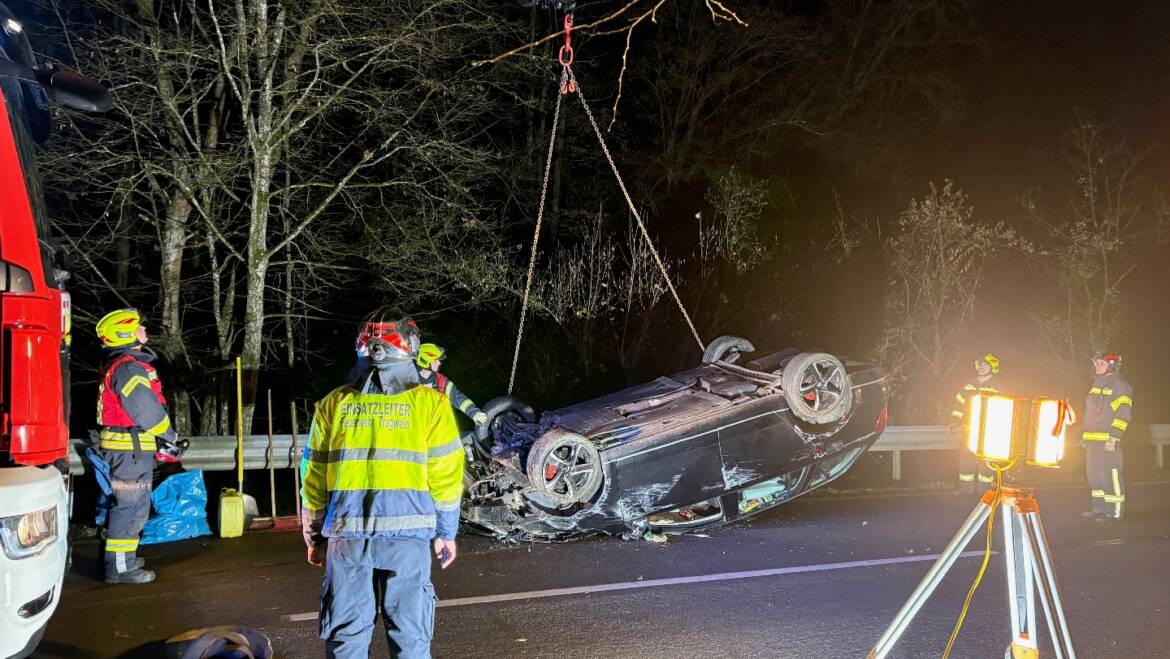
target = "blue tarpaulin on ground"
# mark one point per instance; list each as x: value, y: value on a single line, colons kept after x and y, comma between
x: 101, y: 473
x: 180, y: 509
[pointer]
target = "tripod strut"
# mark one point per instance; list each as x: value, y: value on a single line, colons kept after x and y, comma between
x: 1029, y: 569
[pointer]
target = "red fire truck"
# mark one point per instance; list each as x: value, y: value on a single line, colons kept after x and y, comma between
x: 34, y: 352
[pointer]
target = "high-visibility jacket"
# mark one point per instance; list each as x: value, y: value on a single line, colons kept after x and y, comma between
x: 131, y: 402
x: 444, y: 385
x: 383, y: 466
x: 959, y: 413
x: 1108, y: 408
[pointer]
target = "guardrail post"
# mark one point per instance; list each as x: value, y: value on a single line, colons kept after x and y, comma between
x: 1158, y: 456
x: 897, y: 465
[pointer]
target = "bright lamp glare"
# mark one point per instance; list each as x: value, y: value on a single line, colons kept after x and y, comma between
x: 1049, y: 450
x: 997, y: 429
x: 974, y: 422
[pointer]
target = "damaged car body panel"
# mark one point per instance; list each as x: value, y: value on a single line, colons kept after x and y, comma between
x: 705, y: 446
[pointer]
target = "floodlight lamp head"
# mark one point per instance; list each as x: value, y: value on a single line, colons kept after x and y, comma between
x: 1004, y: 429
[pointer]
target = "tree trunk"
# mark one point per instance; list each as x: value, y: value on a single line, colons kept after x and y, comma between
x: 182, y: 419
x: 174, y: 243
x: 209, y: 420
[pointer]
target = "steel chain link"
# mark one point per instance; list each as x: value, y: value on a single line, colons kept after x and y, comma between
x: 552, y: 140
x: 637, y: 216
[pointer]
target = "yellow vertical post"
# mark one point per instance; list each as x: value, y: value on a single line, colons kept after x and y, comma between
x: 240, y: 423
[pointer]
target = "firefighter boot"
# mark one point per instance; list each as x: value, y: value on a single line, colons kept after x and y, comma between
x: 132, y: 576
x: 129, y: 569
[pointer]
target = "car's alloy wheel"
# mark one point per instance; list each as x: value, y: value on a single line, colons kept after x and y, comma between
x: 564, y: 467
x: 817, y: 388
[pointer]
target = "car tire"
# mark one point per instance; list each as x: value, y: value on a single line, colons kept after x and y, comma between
x: 501, y: 407
x: 564, y: 467
x: 817, y: 388
x: 718, y: 349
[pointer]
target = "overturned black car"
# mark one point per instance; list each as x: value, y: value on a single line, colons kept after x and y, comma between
x: 703, y: 447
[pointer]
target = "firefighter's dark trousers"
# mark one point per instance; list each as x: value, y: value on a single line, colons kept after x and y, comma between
x: 1105, y: 482
x: 972, y: 470
x: 386, y: 576
x: 130, y: 479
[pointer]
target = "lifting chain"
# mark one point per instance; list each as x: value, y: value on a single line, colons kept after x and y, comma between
x: 568, y: 86
x: 641, y: 226
x: 552, y: 140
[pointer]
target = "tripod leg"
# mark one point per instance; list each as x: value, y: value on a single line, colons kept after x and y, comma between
x: 924, y: 589
x: 1049, y: 591
x: 1021, y: 601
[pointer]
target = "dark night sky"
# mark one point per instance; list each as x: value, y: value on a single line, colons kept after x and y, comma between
x: 1043, y: 60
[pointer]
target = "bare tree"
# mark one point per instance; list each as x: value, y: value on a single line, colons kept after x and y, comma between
x: 1107, y: 222
x: 852, y: 82
x: 936, y: 261
x: 303, y: 145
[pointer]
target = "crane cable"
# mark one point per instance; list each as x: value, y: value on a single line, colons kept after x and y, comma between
x: 568, y: 85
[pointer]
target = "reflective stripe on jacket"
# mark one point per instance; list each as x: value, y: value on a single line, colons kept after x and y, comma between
x: 131, y: 402
x: 384, y: 466
x: 1108, y: 408
x: 964, y: 395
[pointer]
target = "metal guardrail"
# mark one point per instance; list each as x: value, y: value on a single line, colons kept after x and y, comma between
x: 896, y: 439
x: 218, y: 453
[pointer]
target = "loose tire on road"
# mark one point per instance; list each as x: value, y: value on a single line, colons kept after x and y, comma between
x: 564, y: 467
x: 817, y: 388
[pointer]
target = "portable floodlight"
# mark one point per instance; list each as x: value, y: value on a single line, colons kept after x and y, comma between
x: 1002, y: 429
x: 1049, y: 428
x: 991, y: 433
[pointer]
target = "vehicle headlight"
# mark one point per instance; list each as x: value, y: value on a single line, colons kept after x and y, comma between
x: 23, y: 536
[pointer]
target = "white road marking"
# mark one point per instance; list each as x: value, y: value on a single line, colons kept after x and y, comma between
x: 673, y: 581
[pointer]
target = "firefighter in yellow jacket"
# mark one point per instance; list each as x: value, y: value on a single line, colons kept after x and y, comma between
x: 383, y: 477
x: 971, y: 468
x: 1108, y: 410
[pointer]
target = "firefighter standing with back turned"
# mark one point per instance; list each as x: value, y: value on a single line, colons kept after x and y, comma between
x: 383, y: 477
x: 132, y: 412
x: 972, y: 468
x: 1108, y: 410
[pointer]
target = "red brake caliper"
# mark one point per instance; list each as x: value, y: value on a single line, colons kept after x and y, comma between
x: 550, y: 472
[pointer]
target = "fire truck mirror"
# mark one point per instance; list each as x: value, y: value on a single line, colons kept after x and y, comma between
x: 74, y: 90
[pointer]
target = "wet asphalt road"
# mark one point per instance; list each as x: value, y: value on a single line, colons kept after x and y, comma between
x: 1115, y: 579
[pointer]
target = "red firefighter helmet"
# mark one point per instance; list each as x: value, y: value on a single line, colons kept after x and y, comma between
x: 394, y: 333
x: 1111, y: 358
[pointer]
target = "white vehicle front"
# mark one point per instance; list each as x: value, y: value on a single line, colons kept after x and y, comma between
x: 34, y: 525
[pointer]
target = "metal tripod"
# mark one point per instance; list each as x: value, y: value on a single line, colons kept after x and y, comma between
x: 1028, y: 562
